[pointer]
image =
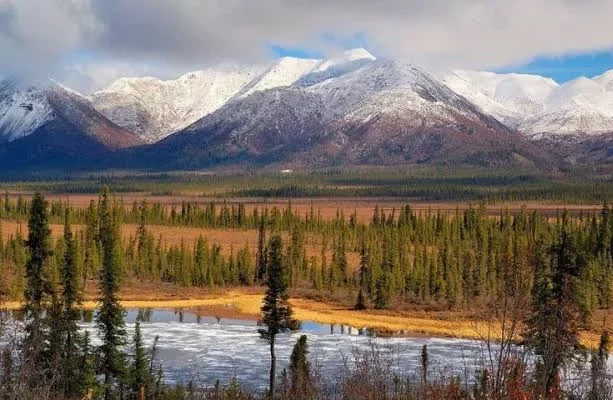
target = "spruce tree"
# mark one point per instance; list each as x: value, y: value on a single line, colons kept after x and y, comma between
x: 360, y: 303
x: 276, y: 310
x: 261, y: 262
x: 140, y: 378
x: 70, y: 313
x: 300, y: 370
x: 110, y: 316
x: 37, y: 288
x: 600, y: 384
x: 553, y: 326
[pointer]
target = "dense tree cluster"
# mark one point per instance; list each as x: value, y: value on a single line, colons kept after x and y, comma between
x: 563, y: 265
x: 54, y: 358
x: 458, y: 260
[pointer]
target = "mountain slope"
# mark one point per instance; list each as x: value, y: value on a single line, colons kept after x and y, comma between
x: 382, y: 113
x: 68, y: 133
x: 538, y: 106
x: 155, y: 109
x: 22, y: 110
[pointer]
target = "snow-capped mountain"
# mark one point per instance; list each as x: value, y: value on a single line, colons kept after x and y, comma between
x: 155, y: 109
x: 25, y: 109
x: 538, y: 106
x: 348, y: 109
x: 22, y: 110
x: 51, y: 124
x: 383, y: 112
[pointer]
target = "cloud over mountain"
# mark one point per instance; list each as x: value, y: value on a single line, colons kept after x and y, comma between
x: 469, y: 33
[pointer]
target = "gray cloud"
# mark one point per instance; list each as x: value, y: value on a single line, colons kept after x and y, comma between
x: 188, y: 33
x: 36, y: 34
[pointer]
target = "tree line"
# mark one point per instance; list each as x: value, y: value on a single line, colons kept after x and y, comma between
x: 461, y: 260
x: 561, y: 266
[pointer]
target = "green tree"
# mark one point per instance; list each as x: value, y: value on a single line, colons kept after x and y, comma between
x: 261, y: 262
x: 71, y: 298
x: 276, y: 310
x: 110, y: 318
x: 360, y: 303
x: 37, y: 289
x: 140, y: 377
x: 300, y: 371
x: 553, y: 326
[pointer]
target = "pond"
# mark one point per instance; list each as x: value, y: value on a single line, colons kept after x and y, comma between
x: 206, y: 349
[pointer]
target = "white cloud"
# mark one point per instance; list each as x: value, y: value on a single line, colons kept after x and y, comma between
x: 36, y: 34
x: 187, y: 33
x: 88, y: 76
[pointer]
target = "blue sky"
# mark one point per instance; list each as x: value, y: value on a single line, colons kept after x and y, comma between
x: 561, y: 69
x: 561, y: 39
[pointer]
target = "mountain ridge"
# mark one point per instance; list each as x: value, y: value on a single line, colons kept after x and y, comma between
x: 345, y: 110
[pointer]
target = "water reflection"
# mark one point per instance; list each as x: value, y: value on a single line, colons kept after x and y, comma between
x: 206, y: 348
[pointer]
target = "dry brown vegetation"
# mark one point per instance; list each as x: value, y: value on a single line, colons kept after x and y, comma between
x: 227, y: 239
x: 245, y: 304
x: 326, y: 207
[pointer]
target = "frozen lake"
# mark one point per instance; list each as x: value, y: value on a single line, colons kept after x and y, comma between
x: 206, y: 349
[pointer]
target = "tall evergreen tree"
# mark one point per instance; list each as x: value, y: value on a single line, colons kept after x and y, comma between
x: 553, y: 326
x: 70, y: 300
x: 140, y: 377
x: 360, y: 303
x: 260, y: 261
x: 110, y: 318
x: 276, y: 310
x: 37, y: 289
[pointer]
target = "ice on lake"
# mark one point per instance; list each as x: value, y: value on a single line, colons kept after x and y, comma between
x: 207, y: 349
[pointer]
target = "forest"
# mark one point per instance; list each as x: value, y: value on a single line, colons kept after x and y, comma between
x: 430, y: 183
x: 541, y: 278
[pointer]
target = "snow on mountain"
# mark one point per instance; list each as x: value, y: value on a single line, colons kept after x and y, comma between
x: 346, y: 57
x: 154, y: 108
x: 305, y: 72
x: 538, y: 106
x: 579, y: 107
x: 394, y: 88
x: 605, y: 80
x: 283, y: 73
x: 49, y: 123
x: 22, y: 110
x: 507, y: 97
x: 383, y: 112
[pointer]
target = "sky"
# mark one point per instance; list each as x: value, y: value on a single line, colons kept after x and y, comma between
x: 89, y: 43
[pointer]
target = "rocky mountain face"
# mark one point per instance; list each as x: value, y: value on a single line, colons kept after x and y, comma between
x: 346, y: 110
x: 50, y: 125
x: 539, y: 107
x: 155, y: 109
x: 383, y: 112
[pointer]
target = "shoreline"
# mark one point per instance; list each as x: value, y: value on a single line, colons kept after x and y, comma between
x: 247, y: 306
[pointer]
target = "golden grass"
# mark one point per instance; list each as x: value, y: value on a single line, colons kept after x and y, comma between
x: 227, y: 239
x: 240, y: 304
x: 326, y: 207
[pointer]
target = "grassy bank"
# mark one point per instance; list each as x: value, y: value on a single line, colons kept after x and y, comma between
x: 246, y: 305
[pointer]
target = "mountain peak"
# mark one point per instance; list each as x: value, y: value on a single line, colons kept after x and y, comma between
x: 346, y: 57
x: 358, y: 54
x: 605, y: 79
